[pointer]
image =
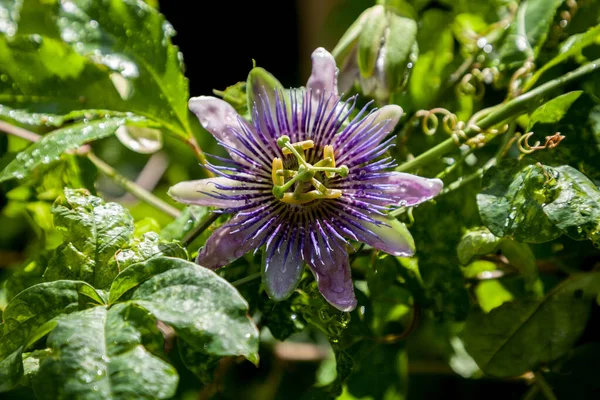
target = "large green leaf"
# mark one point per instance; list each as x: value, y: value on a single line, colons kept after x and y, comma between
x: 145, y: 248
x: 44, y: 78
x: 51, y: 146
x: 93, y: 231
x: 204, y: 309
x: 26, y: 317
x: 511, y: 203
x: 528, y: 32
x: 518, y: 336
x: 575, y: 208
x: 105, y: 354
x: 133, y: 40
x: 572, y: 47
x: 554, y: 110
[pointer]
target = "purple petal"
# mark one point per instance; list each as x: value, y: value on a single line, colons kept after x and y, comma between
x: 212, y: 192
x: 333, y: 278
x: 389, y: 235
x: 220, y: 118
x: 323, y: 79
x: 398, y: 189
x: 229, y: 242
x: 411, y: 190
x: 282, y: 267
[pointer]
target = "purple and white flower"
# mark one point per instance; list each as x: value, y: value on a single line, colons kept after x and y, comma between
x: 304, y: 179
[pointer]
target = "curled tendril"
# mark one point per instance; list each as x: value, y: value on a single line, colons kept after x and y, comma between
x: 551, y: 142
x: 514, y: 86
x: 473, y: 83
x: 456, y: 128
x: 450, y: 123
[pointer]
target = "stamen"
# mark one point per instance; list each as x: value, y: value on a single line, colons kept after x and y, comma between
x: 305, y: 173
x: 328, y: 154
x: 278, y: 180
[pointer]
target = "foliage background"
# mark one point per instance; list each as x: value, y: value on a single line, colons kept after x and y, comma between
x: 409, y: 339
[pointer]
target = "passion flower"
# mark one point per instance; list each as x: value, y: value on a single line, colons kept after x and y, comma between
x: 304, y: 179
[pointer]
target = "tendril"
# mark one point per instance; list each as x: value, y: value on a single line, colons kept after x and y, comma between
x: 455, y: 128
x: 551, y: 142
x: 473, y: 83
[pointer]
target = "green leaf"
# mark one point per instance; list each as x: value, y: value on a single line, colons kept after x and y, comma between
x: 30, y: 274
x: 102, y: 354
x: 511, y: 203
x: 575, y: 208
x: 554, y: 110
x: 518, y: 336
x: 528, y: 32
x: 202, y: 365
x: 572, y: 47
x: 31, y: 364
x: 204, y: 309
x: 476, y: 242
x: 93, y: 232
x: 51, y: 146
x: 44, y: 78
x: 491, y: 294
x: 148, y: 247
x: 26, y: 317
x: 347, y: 43
x: 133, y: 40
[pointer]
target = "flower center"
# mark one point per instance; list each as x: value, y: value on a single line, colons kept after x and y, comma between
x: 303, y: 186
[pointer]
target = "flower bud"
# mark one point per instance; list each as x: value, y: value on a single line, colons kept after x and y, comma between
x: 376, y: 51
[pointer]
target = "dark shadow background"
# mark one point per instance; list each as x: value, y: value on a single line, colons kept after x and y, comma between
x: 219, y: 39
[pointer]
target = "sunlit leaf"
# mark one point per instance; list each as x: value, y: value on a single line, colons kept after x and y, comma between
x: 204, y: 309
x: 103, y: 354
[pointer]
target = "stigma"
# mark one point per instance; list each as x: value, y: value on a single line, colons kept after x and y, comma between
x: 305, y: 184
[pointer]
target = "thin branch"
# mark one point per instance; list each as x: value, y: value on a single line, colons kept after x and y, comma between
x: 19, y: 132
x: 544, y: 387
x: 246, y: 279
x: 204, y: 224
x: 132, y: 187
x: 105, y: 168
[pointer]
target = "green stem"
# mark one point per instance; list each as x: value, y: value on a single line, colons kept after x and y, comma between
x: 202, y: 226
x: 132, y: 187
x: 515, y: 107
x: 544, y: 387
x: 246, y: 279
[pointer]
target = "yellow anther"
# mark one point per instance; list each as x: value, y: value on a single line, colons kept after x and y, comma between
x: 328, y: 153
x: 303, y: 145
x: 278, y: 179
